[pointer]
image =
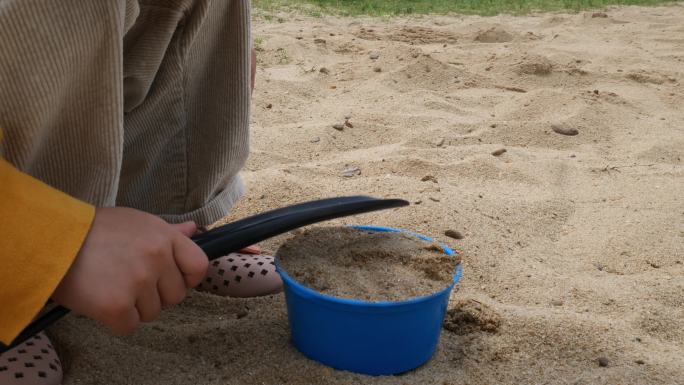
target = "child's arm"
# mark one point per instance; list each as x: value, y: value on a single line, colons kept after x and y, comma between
x: 41, y: 231
x: 116, y: 265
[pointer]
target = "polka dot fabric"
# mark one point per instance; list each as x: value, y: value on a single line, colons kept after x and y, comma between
x: 33, y: 362
x: 242, y: 275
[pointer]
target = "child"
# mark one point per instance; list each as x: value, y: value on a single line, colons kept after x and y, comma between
x: 124, y: 125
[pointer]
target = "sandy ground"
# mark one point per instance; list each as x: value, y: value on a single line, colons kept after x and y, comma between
x: 574, y: 245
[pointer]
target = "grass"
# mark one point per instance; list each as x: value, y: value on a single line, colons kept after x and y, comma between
x: 259, y: 43
x: 404, y: 7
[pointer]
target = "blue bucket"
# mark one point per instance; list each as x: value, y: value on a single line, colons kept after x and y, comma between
x: 376, y: 338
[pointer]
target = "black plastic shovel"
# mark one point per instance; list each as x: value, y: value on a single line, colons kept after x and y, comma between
x: 239, y: 234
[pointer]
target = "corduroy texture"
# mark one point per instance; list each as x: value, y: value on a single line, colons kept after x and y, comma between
x: 186, y: 85
x: 142, y: 104
x: 131, y: 103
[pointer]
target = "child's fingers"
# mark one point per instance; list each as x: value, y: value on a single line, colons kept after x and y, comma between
x: 187, y: 228
x: 171, y: 287
x: 148, y: 304
x: 190, y: 259
x: 123, y: 321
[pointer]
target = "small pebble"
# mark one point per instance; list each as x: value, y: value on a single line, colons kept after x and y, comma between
x: 439, y: 142
x: 319, y: 41
x: 557, y: 302
x: 596, y: 92
x: 453, y: 234
x: 377, y: 69
x: 348, y: 124
x: 640, y: 362
x: 350, y: 172
x: 241, y: 314
x: 499, y: 152
x: 428, y: 178
x: 434, y: 199
x: 418, y: 202
x: 338, y: 126
x: 374, y: 55
x: 315, y: 140
x: 324, y: 70
x: 603, y: 362
x: 269, y: 106
x: 347, y: 117
x: 564, y: 130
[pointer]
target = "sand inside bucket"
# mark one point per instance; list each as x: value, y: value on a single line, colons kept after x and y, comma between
x: 366, y: 265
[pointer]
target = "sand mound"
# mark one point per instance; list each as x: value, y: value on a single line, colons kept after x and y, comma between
x: 494, y: 35
x: 422, y: 35
x: 650, y: 78
x: 535, y: 65
x: 349, y: 263
x: 470, y: 316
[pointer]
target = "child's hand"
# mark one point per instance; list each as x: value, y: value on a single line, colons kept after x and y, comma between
x: 130, y: 265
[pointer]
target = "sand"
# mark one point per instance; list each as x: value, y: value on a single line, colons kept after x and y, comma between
x: 372, y: 266
x: 573, y: 247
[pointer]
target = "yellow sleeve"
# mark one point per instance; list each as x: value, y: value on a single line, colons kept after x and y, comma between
x: 41, y: 231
